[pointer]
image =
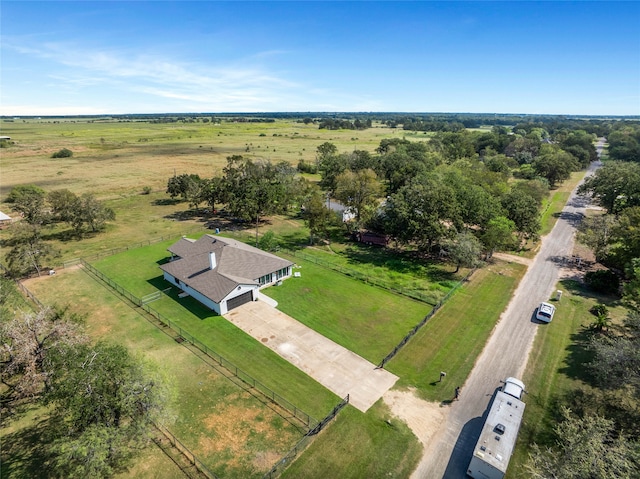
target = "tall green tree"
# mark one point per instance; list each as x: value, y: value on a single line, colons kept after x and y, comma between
x: 554, y: 164
x: 107, y: 403
x: 29, y: 252
x: 26, y: 342
x: 359, y: 191
x: 522, y: 209
x: 30, y: 202
x: 499, y: 233
x: 586, y: 448
x: 316, y: 214
x: 615, y: 186
x: 463, y: 250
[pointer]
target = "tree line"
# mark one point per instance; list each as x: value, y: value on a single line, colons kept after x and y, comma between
x: 598, y: 427
x: 40, y: 210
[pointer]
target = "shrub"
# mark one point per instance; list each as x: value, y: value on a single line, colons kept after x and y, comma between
x: 304, y: 167
x: 603, y: 281
x: 599, y: 309
x: 64, y: 153
x: 146, y: 190
x: 20, y: 192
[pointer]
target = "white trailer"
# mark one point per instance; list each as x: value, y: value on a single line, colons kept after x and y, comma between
x: 497, y: 440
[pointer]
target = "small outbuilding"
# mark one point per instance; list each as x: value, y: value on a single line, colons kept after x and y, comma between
x: 222, y: 273
x: 5, y: 219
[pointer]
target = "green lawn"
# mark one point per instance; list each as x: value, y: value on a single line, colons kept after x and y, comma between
x: 454, y: 337
x: 419, y: 279
x: 214, y: 331
x: 365, y: 319
x: 358, y: 445
x: 224, y: 425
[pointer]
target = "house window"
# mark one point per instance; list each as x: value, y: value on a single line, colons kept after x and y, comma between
x: 281, y: 273
x: 266, y: 279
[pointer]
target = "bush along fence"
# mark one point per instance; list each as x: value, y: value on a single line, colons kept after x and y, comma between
x: 184, y: 336
x: 413, y: 294
x: 288, y: 458
x: 417, y: 327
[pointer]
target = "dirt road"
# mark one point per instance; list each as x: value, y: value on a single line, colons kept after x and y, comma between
x: 449, y: 450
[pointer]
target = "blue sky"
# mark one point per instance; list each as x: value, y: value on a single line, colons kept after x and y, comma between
x: 83, y: 57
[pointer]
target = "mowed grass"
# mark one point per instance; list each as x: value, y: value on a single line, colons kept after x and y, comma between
x: 137, y: 271
x: 557, y: 366
x: 375, y: 445
x: 367, y: 320
x: 357, y: 445
x: 454, y: 337
x: 421, y: 279
x: 229, y: 429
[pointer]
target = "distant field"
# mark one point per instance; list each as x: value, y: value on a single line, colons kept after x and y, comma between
x: 118, y: 158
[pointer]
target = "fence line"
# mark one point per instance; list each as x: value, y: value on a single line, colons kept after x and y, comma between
x: 175, y: 442
x: 425, y: 298
x: 184, y: 450
x: 279, y: 466
x: 417, y: 327
x: 183, y: 335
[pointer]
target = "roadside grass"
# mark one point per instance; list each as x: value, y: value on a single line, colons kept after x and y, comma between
x: 557, y: 366
x: 356, y: 444
x: 365, y: 319
x: 137, y: 271
x: 551, y: 210
x: 454, y: 337
x: 233, y: 432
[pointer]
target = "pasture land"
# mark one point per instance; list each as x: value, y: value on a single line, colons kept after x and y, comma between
x: 121, y: 158
x: 556, y: 372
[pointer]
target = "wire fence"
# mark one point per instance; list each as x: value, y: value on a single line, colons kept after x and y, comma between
x: 175, y: 442
x: 288, y: 458
x: 417, y: 327
x: 184, y: 335
x: 364, y: 277
x: 184, y: 450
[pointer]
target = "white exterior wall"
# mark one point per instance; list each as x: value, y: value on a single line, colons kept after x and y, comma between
x: 237, y: 292
x: 195, y: 294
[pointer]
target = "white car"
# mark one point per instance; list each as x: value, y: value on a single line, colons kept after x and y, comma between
x: 513, y: 387
x: 545, y: 312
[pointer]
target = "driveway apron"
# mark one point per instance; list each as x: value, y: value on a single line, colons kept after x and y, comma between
x: 335, y: 367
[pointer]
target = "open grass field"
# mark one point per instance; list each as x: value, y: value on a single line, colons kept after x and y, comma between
x: 453, y: 338
x: 426, y: 281
x: 556, y: 366
x: 116, y: 158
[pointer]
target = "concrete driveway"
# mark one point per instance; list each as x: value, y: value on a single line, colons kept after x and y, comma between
x: 336, y: 368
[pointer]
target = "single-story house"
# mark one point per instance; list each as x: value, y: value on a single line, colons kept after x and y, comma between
x: 222, y: 273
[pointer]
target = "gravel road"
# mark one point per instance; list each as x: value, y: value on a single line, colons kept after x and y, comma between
x: 448, y: 453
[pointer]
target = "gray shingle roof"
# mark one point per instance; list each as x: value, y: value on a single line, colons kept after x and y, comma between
x: 236, y: 263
